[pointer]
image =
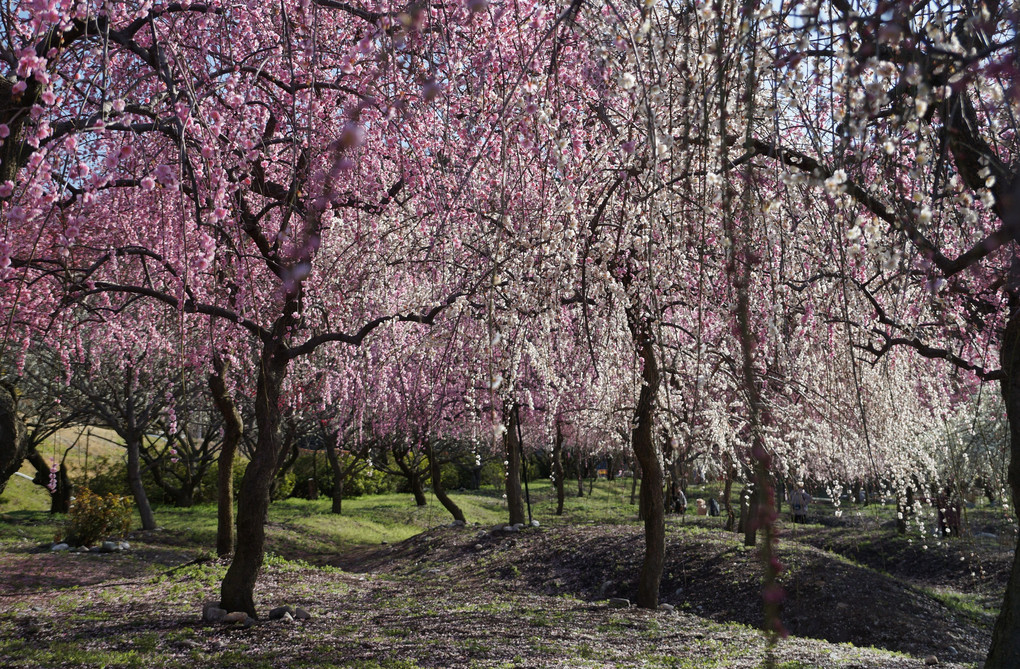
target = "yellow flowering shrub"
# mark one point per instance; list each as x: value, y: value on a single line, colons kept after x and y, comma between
x: 94, y: 517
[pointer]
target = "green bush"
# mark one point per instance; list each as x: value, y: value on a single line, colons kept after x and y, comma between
x: 283, y: 486
x: 493, y: 473
x: 106, y: 476
x: 365, y: 482
x: 93, y: 517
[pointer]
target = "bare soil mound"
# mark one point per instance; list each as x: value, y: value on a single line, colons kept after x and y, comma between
x: 710, y: 574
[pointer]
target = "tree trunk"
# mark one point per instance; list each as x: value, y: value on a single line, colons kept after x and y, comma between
x: 514, y: 496
x: 337, y: 494
x: 750, y: 526
x: 13, y: 448
x: 134, y: 475
x: 184, y: 497
x: 651, y: 470
x: 557, y: 467
x: 742, y: 518
x: 727, y: 493
x: 437, y: 484
x: 233, y: 428
x: 417, y: 487
x: 904, y: 509
x: 580, y: 477
x: 633, y: 486
x: 60, y: 499
x: 238, y: 587
x: 1005, y: 648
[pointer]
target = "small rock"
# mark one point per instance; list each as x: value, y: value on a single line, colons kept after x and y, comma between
x: 679, y: 592
x: 669, y: 608
x: 281, y: 611
x: 619, y: 603
x: 59, y: 547
x: 518, y: 526
x: 124, y: 546
x: 479, y: 547
x: 95, y: 549
x: 287, y: 618
x: 234, y: 617
x: 384, y: 543
x: 212, y: 613
x: 189, y: 643
x: 535, y: 523
x: 842, y: 605
x: 301, y: 614
x: 931, y: 661
x: 952, y: 650
x: 109, y: 546
x: 458, y: 523
x: 80, y: 549
x: 511, y: 529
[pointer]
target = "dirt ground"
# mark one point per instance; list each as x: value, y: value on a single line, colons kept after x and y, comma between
x: 481, y: 597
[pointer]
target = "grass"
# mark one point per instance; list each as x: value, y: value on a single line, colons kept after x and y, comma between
x: 966, y: 604
x: 308, y: 526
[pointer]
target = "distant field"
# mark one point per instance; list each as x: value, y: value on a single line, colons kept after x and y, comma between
x: 86, y: 443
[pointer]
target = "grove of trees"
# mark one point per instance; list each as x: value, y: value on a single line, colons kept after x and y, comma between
x: 767, y: 241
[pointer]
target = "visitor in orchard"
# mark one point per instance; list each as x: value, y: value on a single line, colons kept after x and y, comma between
x: 680, y: 502
x: 799, y: 503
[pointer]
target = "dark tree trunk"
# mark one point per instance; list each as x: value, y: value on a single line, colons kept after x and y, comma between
x: 238, y: 587
x: 337, y: 497
x: 60, y: 499
x: 437, y: 484
x: 1005, y: 648
x: 417, y: 487
x: 184, y: 497
x: 904, y: 509
x: 337, y: 493
x: 557, y: 467
x: 409, y: 470
x: 633, y: 486
x: 580, y: 476
x: 514, y: 496
x: 750, y: 526
x: 643, y: 443
x: 134, y: 475
x: 742, y: 518
x: 13, y: 446
x: 727, y: 502
x: 233, y: 428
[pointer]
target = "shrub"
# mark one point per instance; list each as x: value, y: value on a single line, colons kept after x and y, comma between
x: 93, y: 517
x: 366, y: 481
x: 105, y: 476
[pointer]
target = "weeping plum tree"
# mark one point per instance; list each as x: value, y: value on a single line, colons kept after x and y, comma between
x: 915, y: 153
